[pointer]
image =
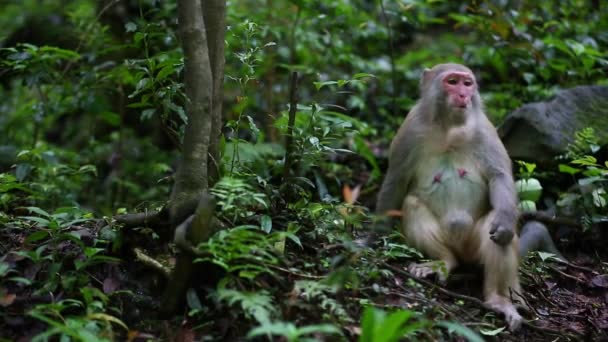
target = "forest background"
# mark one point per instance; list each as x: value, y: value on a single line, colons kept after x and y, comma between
x: 92, y: 123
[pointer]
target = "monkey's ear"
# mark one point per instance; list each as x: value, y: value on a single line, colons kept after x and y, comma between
x: 426, y: 73
x: 426, y: 78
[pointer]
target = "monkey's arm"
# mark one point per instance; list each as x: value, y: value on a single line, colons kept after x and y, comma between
x: 399, y: 173
x: 391, y: 193
x: 502, y: 194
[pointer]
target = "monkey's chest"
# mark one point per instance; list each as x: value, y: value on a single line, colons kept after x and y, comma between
x: 452, y: 183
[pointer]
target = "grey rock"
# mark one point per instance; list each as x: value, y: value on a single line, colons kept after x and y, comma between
x: 540, y: 131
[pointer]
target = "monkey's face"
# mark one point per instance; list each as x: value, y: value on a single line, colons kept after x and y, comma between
x: 459, y: 88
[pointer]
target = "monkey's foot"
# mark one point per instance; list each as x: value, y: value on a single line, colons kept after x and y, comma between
x: 503, y: 305
x: 427, y: 269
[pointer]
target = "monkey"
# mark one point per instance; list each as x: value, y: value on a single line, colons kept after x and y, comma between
x: 451, y: 178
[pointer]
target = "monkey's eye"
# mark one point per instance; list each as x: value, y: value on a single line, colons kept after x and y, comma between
x: 452, y: 81
x: 468, y: 83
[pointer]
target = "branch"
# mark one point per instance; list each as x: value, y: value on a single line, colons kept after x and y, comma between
x: 293, y: 104
x: 151, y: 263
x: 391, y: 54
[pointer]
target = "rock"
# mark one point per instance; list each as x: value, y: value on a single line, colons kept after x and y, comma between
x: 538, y: 132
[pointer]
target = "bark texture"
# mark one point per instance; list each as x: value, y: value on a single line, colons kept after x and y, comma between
x: 202, y: 30
x: 214, y: 13
x: 191, y: 177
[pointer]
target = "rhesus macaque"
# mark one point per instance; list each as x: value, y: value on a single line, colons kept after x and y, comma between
x: 451, y: 177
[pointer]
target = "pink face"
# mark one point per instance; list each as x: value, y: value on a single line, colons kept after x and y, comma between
x: 460, y: 87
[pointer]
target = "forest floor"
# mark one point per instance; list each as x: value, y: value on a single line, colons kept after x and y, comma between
x: 41, y: 272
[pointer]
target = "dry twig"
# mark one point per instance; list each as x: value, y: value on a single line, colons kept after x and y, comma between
x: 152, y: 263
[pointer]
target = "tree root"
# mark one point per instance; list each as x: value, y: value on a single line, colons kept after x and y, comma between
x: 191, y: 232
x: 152, y: 219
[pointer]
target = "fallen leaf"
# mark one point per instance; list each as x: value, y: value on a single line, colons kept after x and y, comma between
x: 7, y: 299
x: 394, y: 213
x: 351, y: 194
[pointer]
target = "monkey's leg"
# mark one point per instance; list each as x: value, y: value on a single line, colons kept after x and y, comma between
x: 500, y: 264
x: 423, y: 232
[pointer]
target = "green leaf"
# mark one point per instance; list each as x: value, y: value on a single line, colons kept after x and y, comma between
x: 193, y: 301
x: 37, y: 236
x: 529, y: 189
x: 462, y: 331
x: 491, y: 332
x: 21, y: 280
x: 527, y: 205
x: 4, y: 269
x: 563, y: 168
x: 364, y: 150
x: 319, y: 328
x: 22, y: 171
x: 138, y: 37
x: 40, y: 220
x: 60, y: 53
x: 111, y: 118
x: 363, y: 75
x: 266, y: 223
x: 577, y: 47
x: 319, y: 85
x: 147, y: 113
x: 88, y: 169
x: 274, y: 328
x: 164, y: 72
x: 544, y: 256
x: 130, y: 27
x: 598, y: 196
x: 38, y: 211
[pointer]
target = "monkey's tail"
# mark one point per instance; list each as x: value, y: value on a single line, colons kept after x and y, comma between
x: 534, y: 236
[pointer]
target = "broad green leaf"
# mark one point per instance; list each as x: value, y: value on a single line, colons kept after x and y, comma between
x: 563, y: 168
x: 193, y: 301
x: 38, y: 211
x: 544, y: 256
x: 266, y: 223
x: 462, y: 331
x: 37, y: 236
x: 491, y: 332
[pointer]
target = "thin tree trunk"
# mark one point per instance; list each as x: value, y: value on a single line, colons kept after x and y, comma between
x: 203, y: 46
x: 191, y: 177
x: 214, y: 13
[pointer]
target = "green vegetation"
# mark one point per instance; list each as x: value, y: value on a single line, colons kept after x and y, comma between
x: 92, y: 124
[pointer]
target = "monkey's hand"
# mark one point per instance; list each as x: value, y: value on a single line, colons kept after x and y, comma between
x: 502, y: 228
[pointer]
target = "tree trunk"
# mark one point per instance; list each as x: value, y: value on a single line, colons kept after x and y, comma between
x: 202, y: 30
x: 214, y: 13
x: 191, y: 177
